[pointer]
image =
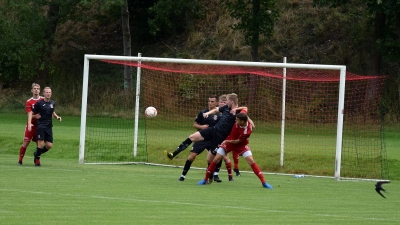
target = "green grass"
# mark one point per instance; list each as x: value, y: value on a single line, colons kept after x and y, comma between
x: 65, y: 192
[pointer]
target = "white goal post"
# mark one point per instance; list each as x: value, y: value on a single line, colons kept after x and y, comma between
x: 88, y: 57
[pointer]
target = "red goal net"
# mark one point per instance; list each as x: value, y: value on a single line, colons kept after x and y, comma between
x: 180, y: 90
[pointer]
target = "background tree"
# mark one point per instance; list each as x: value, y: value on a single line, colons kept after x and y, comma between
x: 254, y: 18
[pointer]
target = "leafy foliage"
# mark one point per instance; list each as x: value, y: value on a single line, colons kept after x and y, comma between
x: 173, y: 16
x: 250, y: 22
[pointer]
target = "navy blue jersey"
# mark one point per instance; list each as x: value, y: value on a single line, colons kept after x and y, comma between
x: 211, y: 120
x: 45, y: 109
x: 224, y: 126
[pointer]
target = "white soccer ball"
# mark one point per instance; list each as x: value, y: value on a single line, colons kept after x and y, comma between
x: 150, y: 111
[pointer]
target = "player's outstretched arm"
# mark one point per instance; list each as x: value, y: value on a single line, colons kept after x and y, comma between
x: 239, y: 108
x: 213, y: 111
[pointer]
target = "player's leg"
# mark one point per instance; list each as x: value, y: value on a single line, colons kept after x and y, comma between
x: 197, y: 148
x: 40, y: 145
x: 249, y: 158
x: 228, y: 165
x: 195, y: 137
x: 235, y: 157
x: 45, y: 145
x: 212, y: 166
x: 22, y: 150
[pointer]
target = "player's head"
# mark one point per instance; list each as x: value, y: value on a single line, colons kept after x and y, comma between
x: 212, y: 101
x: 222, y: 100
x: 35, y: 89
x: 241, y: 119
x: 47, y: 92
x: 232, y: 100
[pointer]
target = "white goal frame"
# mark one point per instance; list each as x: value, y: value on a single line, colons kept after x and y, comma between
x: 139, y: 59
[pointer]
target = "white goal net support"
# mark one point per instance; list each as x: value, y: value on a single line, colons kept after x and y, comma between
x: 310, y: 119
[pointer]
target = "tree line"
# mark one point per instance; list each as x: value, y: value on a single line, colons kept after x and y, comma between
x: 45, y: 40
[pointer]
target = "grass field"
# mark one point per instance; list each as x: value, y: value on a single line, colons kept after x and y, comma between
x: 65, y: 192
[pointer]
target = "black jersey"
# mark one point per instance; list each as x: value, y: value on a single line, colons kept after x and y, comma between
x: 225, y: 124
x: 45, y: 109
x: 211, y: 120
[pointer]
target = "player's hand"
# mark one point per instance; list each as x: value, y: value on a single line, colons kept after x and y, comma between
x: 59, y: 118
x: 37, y: 116
x: 205, y: 115
x: 233, y: 111
x: 30, y: 127
x: 205, y: 126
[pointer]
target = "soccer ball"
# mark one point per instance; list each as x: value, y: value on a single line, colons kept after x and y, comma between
x: 150, y: 111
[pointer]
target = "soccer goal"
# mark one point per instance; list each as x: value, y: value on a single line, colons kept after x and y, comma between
x: 311, y: 119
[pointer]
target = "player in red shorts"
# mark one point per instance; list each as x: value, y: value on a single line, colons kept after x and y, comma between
x: 237, y: 141
x: 30, y: 135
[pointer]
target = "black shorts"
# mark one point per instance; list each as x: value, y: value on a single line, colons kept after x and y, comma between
x: 199, y: 147
x: 210, y: 135
x: 45, y: 134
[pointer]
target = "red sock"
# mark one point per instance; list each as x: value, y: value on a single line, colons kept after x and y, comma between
x: 258, y: 172
x: 210, y: 170
x: 229, y: 168
x: 235, y: 156
x: 22, y: 151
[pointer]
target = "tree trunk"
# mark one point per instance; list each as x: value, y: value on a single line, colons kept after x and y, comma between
x: 126, y: 33
x: 49, y: 34
x: 255, y: 37
x: 376, y: 57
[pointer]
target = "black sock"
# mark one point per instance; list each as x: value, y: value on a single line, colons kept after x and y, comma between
x: 182, y: 146
x: 43, y: 150
x: 38, y: 152
x: 186, y: 168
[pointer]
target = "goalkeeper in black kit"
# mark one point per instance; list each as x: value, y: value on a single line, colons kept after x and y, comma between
x: 44, y: 130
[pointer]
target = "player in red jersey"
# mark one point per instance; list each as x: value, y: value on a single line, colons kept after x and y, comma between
x: 30, y: 135
x: 237, y: 141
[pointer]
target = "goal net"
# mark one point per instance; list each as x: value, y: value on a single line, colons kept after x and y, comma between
x: 307, y: 120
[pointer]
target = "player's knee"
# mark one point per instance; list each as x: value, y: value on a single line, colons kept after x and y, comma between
x: 49, y: 145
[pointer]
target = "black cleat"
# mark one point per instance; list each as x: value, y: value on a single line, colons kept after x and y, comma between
x: 181, y: 179
x: 216, y: 179
x: 378, y: 187
x: 237, y: 172
x: 20, y: 163
x: 169, y: 155
x: 230, y: 178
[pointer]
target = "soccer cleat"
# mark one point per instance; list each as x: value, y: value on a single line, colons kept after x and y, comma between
x: 266, y: 185
x: 210, y: 180
x: 169, y: 155
x: 181, y: 179
x: 216, y: 179
x: 20, y: 163
x: 237, y: 172
x: 202, y: 182
x: 230, y: 178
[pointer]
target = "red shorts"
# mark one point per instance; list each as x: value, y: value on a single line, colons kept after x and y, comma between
x: 239, y: 149
x: 30, y: 135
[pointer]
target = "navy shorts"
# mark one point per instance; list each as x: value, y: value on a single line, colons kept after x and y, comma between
x: 45, y: 134
x: 199, y: 147
x: 210, y: 135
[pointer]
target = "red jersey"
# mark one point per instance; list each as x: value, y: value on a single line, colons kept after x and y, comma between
x: 238, y: 132
x: 30, y: 103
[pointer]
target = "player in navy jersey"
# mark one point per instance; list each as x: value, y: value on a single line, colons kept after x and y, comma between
x: 200, y: 123
x: 218, y: 132
x: 44, y: 125
x: 30, y: 135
